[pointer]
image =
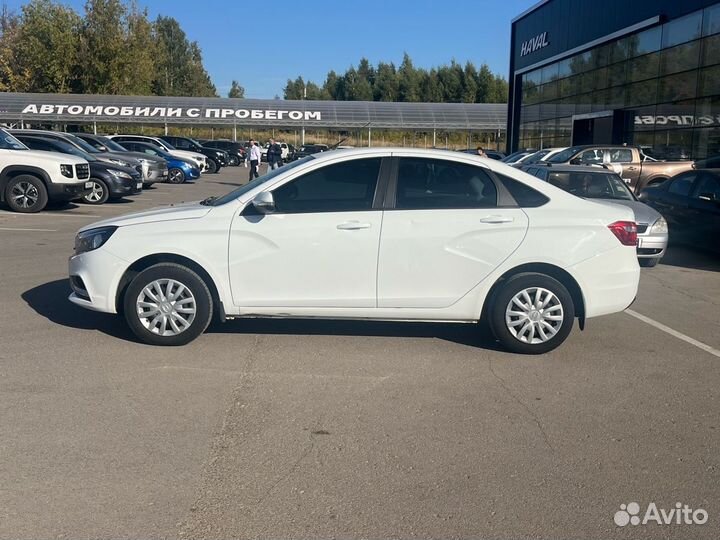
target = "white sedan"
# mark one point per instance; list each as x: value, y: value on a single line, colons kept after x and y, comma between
x: 390, y: 234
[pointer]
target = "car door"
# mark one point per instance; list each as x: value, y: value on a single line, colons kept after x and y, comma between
x: 623, y: 163
x: 318, y: 248
x: 703, y: 219
x: 673, y: 202
x: 443, y: 232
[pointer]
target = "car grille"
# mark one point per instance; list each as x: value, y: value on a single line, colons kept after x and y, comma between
x: 642, y: 228
x: 82, y: 171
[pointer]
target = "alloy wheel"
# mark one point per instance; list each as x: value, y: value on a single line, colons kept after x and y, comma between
x: 166, y: 307
x: 175, y: 176
x: 534, y: 315
x: 24, y: 194
x: 96, y: 194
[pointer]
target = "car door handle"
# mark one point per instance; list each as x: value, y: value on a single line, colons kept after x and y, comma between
x: 631, y: 169
x: 496, y: 219
x: 353, y: 225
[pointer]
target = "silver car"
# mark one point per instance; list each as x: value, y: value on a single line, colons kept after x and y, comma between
x: 605, y: 186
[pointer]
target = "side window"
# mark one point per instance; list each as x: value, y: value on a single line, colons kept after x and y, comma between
x: 682, y: 184
x: 434, y: 183
x: 621, y: 155
x: 524, y: 195
x: 343, y: 187
x: 182, y: 144
x: 708, y: 188
x: 593, y: 156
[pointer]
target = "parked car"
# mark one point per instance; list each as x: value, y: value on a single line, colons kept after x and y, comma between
x: 492, y: 154
x: 461, y: 240
x: 109, y: 157
x: 308, y: 150
x: 154, y: 169
x: 285, y: 151
x: 635, y: 168
x: 603, y: 185
x: 216, y: 158
x: 236, y: 151
x: 690, y: 201
x: 109, y: 181
x: 199, y: 159
x: 29, y: 179
x: 537, y: 157
x: 516, y: 156
x: 179, y: 170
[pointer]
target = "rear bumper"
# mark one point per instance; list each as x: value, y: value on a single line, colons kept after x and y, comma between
x: 67, y: 192
x: 652, y: 246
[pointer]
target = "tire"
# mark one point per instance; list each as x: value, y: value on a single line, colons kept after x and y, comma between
x: 649, y: 263
x: 213, y: 167
x: 100, y: 193
x: 26, y: 194
x: 176, y: 176
x: 153, y: 286
x: 233, y: 161
x: 508, y: 324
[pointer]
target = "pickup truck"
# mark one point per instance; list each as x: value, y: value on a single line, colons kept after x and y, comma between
x: 635, y: 168
x: 31, y: 178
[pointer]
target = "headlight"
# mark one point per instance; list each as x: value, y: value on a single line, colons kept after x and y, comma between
x: 660, y: 226
x: 92, y: 239
x: 145, y: 161
x: 119, y: 174
x: 118, y: 162
x: 66, y: 170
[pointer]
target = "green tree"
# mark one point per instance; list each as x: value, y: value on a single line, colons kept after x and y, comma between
x: 386, y: 86
x: 138, y: 72
x: 102, y: 47
x: 197, y: 80
x: 408, y: 80
x: 236, y: 91
x: 49, y: 48
x: 469, y: 83
x: 12, y: 78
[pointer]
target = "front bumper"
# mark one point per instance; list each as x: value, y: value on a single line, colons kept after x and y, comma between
x: 155, y: 175
x: 67, y: 192
x: 94, y: 277
x: 651, y: 246
x: 121, y: 187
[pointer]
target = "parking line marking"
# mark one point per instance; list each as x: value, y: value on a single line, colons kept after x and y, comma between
x: 674, y: 333
x: 46, y: 214
x: 18, y: 229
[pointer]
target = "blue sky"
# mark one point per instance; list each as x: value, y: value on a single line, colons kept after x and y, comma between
x: 264, y: 45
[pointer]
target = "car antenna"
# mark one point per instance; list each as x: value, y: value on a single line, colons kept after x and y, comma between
x: 334, y: 146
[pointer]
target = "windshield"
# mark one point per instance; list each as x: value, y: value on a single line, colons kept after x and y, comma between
x: 534, y: 158
x: 163, y: 143
x: 257, y: 182
x: 111, y: 145
x: 564, y: 155
x: 591, y: 185
x: 87, y: 147
x: 8, y: 142
x: 194, y: 142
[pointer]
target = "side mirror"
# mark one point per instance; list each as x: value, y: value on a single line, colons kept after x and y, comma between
x: 264, y: 202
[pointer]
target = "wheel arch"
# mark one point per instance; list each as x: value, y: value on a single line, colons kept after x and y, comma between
x: 157, y: 258
x: 11, y: 171
x: 560, y: 274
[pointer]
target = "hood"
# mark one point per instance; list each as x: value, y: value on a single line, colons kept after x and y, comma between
x: 643, y: 212
x: 189, y: 210
x: 188, y: 155
x: 50, y: 157
x: 106, y: 156
x: 141, y: 155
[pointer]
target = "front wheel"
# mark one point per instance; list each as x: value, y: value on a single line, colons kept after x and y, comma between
x: 212, y: 166
x: 26, y: 194
x: 167, y: 304
x: 99, y: 193
x: 233, y: 161
x: 532, y: 314
x: 176, y: 176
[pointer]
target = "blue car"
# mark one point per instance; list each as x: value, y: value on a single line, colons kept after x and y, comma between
x: 179, y: 170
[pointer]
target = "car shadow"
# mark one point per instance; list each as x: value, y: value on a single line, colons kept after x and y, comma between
x: 686, y: 257
x: 50, y: 301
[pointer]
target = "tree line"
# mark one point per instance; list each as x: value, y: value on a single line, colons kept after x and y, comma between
x: 451, y: 83
x: 111, y: 48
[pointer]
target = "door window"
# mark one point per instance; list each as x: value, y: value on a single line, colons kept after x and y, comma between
x: 621, y: 155
x: 343, y: 187
x: 682, y: 184
x: 182, y: 144
x: 594, y: 156
x: 434, y: 183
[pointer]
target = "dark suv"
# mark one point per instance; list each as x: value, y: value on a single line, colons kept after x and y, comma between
x: 236, y: 151
x: 216, y: 159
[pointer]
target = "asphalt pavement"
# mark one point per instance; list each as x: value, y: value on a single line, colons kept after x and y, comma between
x: 297, y: 428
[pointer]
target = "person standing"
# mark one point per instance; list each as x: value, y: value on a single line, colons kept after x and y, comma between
x: 254, y: 159
x: 274, y: 155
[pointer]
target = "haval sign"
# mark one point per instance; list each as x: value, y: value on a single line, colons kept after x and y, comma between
x: 534, y: 44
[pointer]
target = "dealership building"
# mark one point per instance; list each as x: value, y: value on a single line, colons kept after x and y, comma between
x: 643, y: 72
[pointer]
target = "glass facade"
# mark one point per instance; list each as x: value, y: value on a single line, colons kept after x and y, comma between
x: 666, y: 79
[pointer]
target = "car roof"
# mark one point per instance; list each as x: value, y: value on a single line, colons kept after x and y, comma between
x: 569, y: 168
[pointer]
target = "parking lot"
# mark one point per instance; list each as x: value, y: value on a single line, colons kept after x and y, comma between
x: 270, y: 428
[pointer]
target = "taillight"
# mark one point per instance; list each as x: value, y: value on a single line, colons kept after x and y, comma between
x: 626, y: 232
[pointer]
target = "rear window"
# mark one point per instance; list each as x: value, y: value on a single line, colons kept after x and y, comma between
x: 524, y: 195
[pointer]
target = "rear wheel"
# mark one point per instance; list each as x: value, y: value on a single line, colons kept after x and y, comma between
x: 99, y: 193
x: 26, y: 194
x: 648, y: 263
x: 212, y: 166
x: 176, y: 176
x: 532, y: 313
x: 233, y: 161
x: 167, y: 304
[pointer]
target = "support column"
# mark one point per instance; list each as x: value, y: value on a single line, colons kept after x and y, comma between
x: 434, y: 138
x: 94, y: 128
